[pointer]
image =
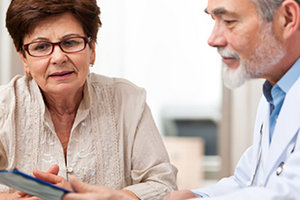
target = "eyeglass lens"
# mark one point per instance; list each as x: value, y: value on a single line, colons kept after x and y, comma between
x: 70, y: 45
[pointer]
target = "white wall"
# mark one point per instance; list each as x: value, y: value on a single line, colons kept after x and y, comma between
x: 161, y: 45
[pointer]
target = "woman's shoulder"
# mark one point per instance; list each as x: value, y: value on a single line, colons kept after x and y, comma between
x: 116, y: 85
x: 9, y: 91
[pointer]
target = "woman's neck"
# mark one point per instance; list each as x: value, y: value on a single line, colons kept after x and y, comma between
x: 66, y: 104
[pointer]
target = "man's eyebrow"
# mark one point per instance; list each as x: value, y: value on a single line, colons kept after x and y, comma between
x: 217, y: 11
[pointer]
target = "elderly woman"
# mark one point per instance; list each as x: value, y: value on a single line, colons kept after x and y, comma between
x: 96, y: 128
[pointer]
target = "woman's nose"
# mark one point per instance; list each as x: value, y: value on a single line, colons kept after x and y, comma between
x: 58, y: 56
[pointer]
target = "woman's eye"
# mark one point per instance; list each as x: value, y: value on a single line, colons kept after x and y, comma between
x: 70, y: 43
x: 41, y: 46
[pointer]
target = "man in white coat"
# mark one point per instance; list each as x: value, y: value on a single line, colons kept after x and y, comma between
x: 261, y: 39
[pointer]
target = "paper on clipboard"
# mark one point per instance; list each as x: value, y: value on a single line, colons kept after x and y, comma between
x: 31, y: 185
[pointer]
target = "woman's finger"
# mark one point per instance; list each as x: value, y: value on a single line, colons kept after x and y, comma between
x: 54, y: 169
x: 47, y: 176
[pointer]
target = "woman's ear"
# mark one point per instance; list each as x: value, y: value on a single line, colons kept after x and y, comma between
x: 93, y: 53
x: 24, y: 61
x: 290, y: 17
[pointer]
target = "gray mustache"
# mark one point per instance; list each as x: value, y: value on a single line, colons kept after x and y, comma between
x: 227, y: 53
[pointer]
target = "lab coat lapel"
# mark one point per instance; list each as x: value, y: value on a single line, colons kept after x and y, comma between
x: 286, y: 127
x: 265, y: 139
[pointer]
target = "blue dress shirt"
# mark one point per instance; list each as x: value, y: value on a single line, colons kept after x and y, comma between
x: 275, y: 95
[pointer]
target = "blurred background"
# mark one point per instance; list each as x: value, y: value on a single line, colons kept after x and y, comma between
x: 160, y: 45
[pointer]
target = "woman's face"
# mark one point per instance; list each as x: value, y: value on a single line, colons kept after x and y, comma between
x: 60, y: 73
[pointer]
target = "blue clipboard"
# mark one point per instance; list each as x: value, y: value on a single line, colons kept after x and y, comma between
x: 31, y: 185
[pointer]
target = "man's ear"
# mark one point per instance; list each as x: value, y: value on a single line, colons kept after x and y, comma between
x: 24, y: 61
x: 290, y: 17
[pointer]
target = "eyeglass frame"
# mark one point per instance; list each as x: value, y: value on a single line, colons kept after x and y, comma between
x: 86, y: 41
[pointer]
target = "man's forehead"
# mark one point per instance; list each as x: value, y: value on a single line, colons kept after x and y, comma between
x: 230, y: 7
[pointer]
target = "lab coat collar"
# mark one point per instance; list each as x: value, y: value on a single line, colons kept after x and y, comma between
x: 286, y: 128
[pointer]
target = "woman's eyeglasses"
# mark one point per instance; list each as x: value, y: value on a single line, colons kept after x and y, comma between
x: 45, y: 48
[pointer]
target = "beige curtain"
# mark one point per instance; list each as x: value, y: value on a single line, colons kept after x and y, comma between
x: 236, y: 127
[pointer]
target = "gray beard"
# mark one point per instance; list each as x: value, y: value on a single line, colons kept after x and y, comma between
x: 268, y: 52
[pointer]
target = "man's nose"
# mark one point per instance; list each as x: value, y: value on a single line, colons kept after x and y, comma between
x: 217, y: 37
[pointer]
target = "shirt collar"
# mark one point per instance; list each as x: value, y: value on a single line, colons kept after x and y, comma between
x: 284, y: 84
x: 267, y: 91
x: 290, y: 77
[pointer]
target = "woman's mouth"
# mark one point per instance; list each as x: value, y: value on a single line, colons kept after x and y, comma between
x: 61, y: 75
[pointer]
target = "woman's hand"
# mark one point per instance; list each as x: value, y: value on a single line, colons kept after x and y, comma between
x: 49, y: 176
x: 28, y: 197
x: 52, y: 177
x: 91, y: 192
x: 180, y: 195
x: 17, y: 196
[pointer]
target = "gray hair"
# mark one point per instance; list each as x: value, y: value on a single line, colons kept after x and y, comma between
x: 267, y: 8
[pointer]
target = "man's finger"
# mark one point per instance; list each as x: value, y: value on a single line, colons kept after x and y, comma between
x: 77, y: 196
x: 81, y: 187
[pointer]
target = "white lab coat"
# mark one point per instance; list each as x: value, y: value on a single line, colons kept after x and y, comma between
x: 271, y: 182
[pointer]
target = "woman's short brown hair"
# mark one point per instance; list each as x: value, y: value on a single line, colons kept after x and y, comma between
x: 23, y: 15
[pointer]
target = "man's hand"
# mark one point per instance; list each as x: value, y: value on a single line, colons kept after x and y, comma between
x: 180, y: 195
